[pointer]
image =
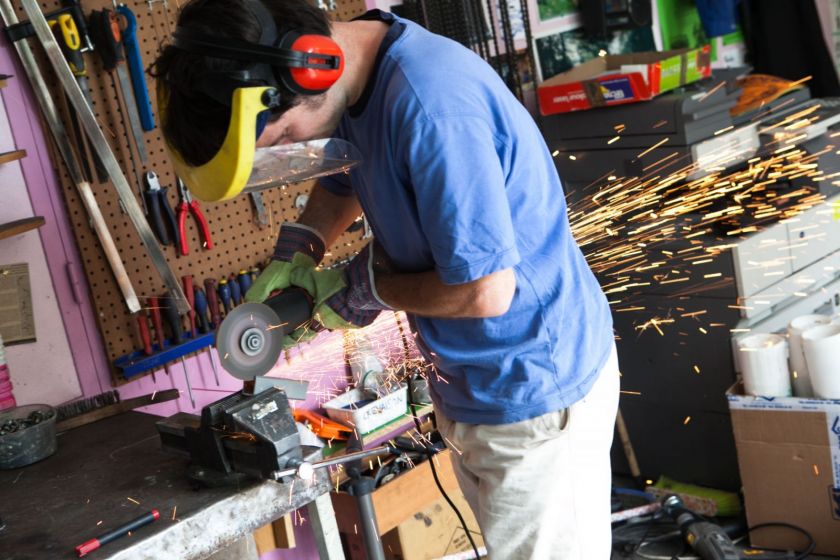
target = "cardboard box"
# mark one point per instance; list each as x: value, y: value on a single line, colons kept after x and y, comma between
x: 789, y: 459
x: 397, y: 502
x: 434, y: 532
x: 626, y: 78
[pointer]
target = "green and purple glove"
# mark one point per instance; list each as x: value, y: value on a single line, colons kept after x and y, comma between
x: 297, y: 246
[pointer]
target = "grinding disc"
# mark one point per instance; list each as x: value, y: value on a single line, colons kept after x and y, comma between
x: 250, y: 340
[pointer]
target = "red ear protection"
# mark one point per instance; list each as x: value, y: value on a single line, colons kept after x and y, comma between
x: 316, y: 75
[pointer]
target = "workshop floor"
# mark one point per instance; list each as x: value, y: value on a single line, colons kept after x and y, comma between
x: 664, y: 550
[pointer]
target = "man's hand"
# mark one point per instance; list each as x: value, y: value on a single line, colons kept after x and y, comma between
x: 297, y: 246
x: 344, y: 299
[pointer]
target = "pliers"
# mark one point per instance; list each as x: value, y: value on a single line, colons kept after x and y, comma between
x: 186, y: 206
x: 157, y: 204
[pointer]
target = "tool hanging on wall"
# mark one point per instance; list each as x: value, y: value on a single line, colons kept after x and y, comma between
x: 160, y: 213
x: 260, y: 217
x: 174, y: 322
x: 189, y: 206
x: 62, y: 141
x: 64, y: 29
x: 99, y: 144
x: 107, y: 36
x: 135, y: 68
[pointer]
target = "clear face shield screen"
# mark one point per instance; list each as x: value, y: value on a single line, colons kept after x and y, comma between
x: 240, y: 167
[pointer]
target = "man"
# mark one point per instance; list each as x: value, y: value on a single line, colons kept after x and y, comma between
x: 466, y: 207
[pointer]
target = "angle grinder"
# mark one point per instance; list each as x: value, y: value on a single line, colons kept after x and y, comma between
x: 250, y: 339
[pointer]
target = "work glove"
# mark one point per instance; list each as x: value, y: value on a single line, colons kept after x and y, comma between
x: 343, y: 299
x: 297, y: 246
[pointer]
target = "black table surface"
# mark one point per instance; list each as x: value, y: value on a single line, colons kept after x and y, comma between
x: 110, y: 472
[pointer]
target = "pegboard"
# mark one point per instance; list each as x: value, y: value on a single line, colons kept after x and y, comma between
x: 238, y: 242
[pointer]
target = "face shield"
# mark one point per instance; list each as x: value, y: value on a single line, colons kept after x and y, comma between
x: 240, y: 167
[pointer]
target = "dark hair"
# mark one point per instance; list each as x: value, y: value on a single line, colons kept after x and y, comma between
x: 195, y: 124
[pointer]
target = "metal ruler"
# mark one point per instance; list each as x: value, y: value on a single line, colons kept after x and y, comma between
x: 98, y: 143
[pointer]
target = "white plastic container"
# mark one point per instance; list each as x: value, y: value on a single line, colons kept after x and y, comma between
x: 822, y: 352
x: 763, y: 359
x: 798, y: 366
x: 370, y: 416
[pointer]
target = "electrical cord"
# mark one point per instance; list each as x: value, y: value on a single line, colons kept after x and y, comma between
x: 812, y: 543
x: 432, y: 452
x: 627, y: 536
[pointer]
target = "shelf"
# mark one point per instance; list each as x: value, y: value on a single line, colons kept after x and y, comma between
x: 17, y: 227
x: 6, y: 157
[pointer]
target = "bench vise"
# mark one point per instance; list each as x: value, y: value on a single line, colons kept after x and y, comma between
x: 238, y: 437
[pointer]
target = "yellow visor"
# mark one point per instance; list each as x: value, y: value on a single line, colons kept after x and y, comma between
x: 239, y: 166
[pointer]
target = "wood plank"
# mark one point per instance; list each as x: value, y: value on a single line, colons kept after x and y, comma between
x: 284, y: 532
x: 264, y: 538
x: 10, y: 229
x: 6, y: 157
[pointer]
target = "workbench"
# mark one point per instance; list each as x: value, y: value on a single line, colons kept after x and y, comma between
x: 113, y: 471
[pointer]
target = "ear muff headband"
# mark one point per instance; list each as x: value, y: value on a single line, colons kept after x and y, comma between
x: 301, y: 64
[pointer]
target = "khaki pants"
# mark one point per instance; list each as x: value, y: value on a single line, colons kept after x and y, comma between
x: 540, y: 488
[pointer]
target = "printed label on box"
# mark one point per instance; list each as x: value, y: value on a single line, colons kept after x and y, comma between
x: 617, y: 90
x: 834, y: 499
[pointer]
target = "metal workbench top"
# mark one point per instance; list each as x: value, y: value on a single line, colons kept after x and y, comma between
x: 101, y: 470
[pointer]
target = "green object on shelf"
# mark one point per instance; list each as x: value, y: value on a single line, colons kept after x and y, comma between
x: 680, y: 25
x: 728, y: 503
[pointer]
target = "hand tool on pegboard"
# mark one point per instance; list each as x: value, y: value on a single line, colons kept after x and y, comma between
x: 135, y: 67
x: 174, y: 322
x: 213, y: 302
x: 157, y: 323
x: 68, y: 38
x: 260, y: 215
x: 107, y: 36
x: 204, y: 324
x: 99, y: 143
x: 224, y: 295
x: 194, y: 320
x: 189, y: 206
x: 235, y: 290
x: 62, y: 140
x: 145, y: 337
x: 160, y: 213
x: 244, y: 281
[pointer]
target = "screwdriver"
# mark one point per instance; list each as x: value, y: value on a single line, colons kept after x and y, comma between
x: 203, y: 327
x: 213, y: 302
x: 201, y: 310
x: 244, y: 281
x: 193, y: 295
x: 224, y: 294
x: 174, y: 321
x: 143, y: 327
x: 152, y: 302
x: 235, y: 290
x: 187, y: 280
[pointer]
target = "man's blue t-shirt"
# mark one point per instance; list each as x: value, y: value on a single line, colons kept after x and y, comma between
x: 456, y: 178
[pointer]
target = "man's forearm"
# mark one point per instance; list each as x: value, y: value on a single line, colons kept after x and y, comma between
x: 424, y: 294
x: 328, y: 213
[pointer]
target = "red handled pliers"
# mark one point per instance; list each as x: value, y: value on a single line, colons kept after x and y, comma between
x: 186, y: 206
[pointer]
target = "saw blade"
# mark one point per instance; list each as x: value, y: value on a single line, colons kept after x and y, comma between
x: 250, y: 340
